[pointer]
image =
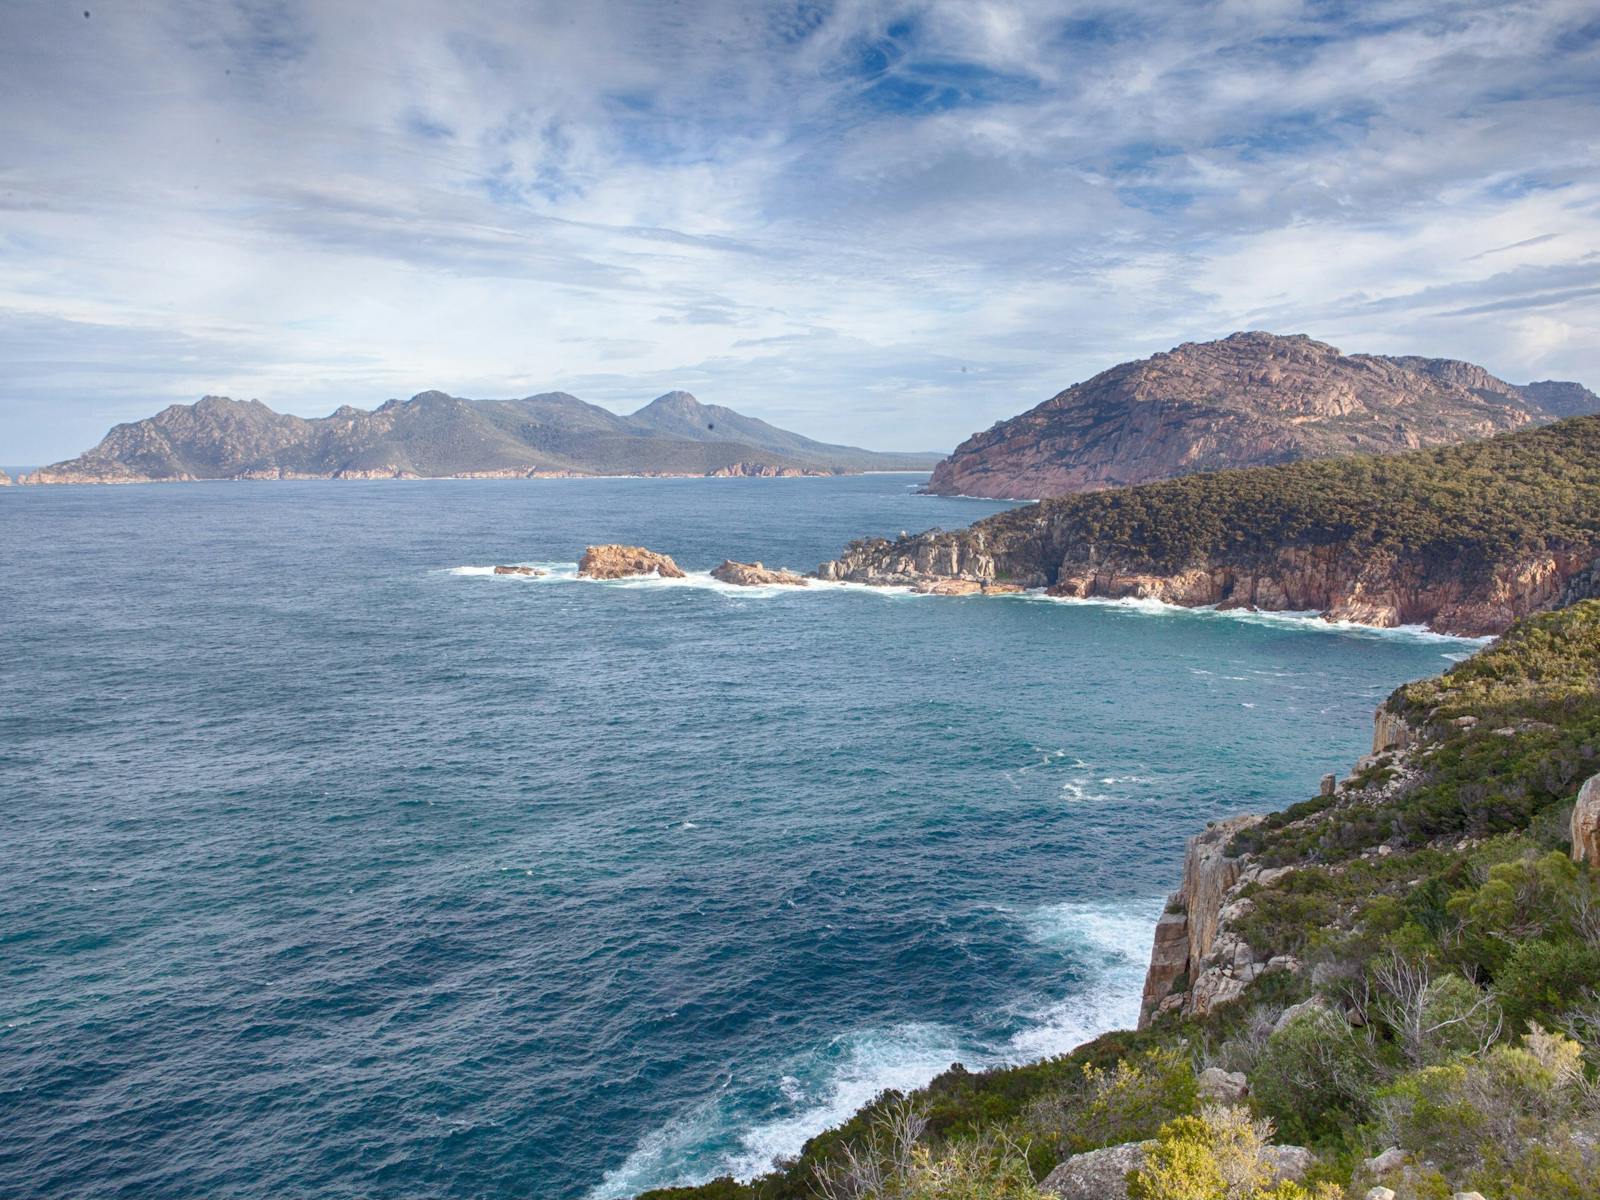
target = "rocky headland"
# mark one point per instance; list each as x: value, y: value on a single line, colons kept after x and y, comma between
x: 435, y: 435
x: 1465, y: 540
x: 1383, y: 991
x: 1251, y: 399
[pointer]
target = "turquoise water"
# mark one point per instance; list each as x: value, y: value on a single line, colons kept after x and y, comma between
x: 337, y: 867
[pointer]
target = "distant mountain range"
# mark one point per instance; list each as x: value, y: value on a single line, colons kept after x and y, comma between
x: 1251, y: 399
x: 436, y: 435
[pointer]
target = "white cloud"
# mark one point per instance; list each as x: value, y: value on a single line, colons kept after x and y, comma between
x: 816, y: 213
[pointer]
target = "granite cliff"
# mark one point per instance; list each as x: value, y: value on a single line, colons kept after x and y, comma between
x: 1465, y: 539
x: 434, y: 434
x: 1251, y: 399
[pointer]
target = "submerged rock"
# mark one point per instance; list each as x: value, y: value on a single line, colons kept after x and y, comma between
x: 518, y: 571
x: 622, y: 562
x: 756, y: 575
x: 948, y: 587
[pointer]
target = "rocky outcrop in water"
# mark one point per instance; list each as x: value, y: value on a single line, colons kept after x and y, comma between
x: 5, y: 480
x: 1251, y: 399
x: 756, y: 575
x: 552, y: 435
x: 622, y: 562
x: 517, y: 570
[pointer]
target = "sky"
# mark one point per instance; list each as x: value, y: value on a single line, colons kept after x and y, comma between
x: 889, y: 224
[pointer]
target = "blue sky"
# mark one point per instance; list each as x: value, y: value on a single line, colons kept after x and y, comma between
x: 884, y: 223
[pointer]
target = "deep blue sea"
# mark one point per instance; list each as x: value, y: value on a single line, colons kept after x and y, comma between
x: 334, y: 866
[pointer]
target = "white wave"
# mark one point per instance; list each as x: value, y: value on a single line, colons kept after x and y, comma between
x: 1108, y: 941
x: 1306, y: 619
x: 868, y: 1062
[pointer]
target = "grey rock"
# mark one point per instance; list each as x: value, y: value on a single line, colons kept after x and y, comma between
x: 1391, y: 1160
x: 1097, y: 1175
x: 1224, y: 1087
x: 1380, y: 1193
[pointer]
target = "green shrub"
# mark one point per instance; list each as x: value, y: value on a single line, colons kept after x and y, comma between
x: 1126, y: 1102
x: 1315, y: 1078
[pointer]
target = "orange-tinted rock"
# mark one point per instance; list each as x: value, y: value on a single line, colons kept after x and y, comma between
x: 756, y: 575
x: 621, y: 562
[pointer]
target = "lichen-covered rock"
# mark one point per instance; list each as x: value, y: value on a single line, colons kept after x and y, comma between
x: 1103, y: 1174
x: 1586, y: 823
x: 621, y: 562
x: 1097, y: 1175
x: 756, y: 575
x: 1223, y: 1087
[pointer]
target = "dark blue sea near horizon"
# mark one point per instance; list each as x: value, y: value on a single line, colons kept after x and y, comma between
x: 336, y: 866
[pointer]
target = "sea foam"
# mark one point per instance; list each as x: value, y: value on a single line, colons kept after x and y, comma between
x: 1107, y: 942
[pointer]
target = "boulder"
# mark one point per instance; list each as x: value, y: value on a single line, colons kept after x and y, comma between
x: 621, y: 562
x: 756, y: 575
x: 1390, y: 1161
x: 1097, y: 1175
x: 1380, y: 1193
x: 518, y: 571
x: 1223, y: 1087
x: 1103, y: 1174
x: 1586, y: 823
x: 1467, y: 1196
x: 1316, y: 1007
x: 1288, y: 1162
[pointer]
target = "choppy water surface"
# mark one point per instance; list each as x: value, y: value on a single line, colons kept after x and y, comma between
x: 336, y: 867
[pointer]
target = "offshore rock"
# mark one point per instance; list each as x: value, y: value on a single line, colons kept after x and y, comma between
x: 1586, y: 823
x: 5, y: 480
x: 621, y: 562
x: 1251, y: 399
x: 948, y: 587
x: 518, y: 571
x: 756, y: 575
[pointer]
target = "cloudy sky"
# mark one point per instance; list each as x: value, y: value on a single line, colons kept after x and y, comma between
x: 877, y: 222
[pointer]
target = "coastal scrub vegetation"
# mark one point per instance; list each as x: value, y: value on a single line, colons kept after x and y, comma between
x: 1445, y: 991
x: 1466, y: 507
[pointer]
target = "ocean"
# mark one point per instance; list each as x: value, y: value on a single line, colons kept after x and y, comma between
x: 337, y: 866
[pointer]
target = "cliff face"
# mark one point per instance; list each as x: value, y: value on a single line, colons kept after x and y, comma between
x: 1465, y: 540
x: 1333, y: 581
x: 434, y: 434
x: 1251, y: 399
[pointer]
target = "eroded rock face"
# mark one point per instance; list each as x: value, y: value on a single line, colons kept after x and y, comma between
x: 1252, y: 399
x: 5, y: 480
x: 756, y: 575
x: 1042, y: 548
x: 1187, y: 939
x: 620, y: 562
x: 514, y: 570
x: 1586, y: 823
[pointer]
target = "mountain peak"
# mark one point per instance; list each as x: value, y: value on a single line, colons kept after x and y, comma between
x: 675, y: 400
